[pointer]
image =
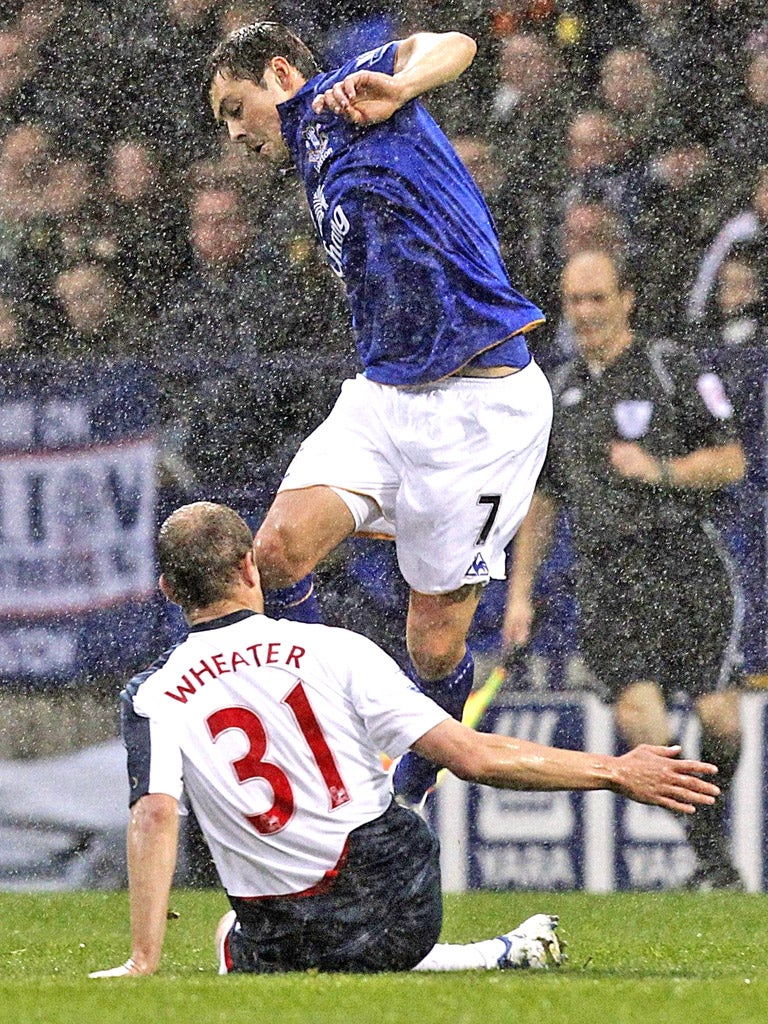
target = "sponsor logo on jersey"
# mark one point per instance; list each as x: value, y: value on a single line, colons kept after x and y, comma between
x: 319, y: 207
x: 317, y: 145
x: 632, y: 418
x: 478, y: 568
x: 333, y: 246
x: 339, y: 229
x: 712, y: 392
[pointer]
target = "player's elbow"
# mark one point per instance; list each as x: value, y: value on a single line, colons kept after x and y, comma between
x: 470, y: 759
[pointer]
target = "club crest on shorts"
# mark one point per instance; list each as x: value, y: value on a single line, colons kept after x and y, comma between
x: 478, y: 568
x: 632, y: 418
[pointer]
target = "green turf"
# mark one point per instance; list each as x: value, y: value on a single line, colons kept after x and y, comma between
x: 634, y: 959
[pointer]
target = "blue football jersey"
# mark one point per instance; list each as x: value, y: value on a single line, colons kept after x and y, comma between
x: 405, y: 227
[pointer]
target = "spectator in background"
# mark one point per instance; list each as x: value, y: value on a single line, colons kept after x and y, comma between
x: 237, y: 13
x: 643, y: 441
x: 696, y: 48
x: 597, y: 167
x: 749, y: 225
x: 238, y: 356
x: 17, y: 67
x: 95, y: 323
x: 26, y: 157
x: 593, y: 199
x: 741, y: 316
x: 141, y: 226
x: 634, y: 95
x: 675, y: 219
x: 78, y: 76
x: 31, y: 193
x: 484, y: 162
x: 528, y: 121
x: 591, y: 225
x: 743, y: 145
x: 529, y: 111
x: 224, y: 307
x: 12, y: 327
x: 716, y: 40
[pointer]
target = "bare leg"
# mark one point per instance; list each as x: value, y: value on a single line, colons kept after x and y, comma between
x: 719, y: 716
x: 641, y: 714
x: 437, y: 627
x: 299, y: 530
x: 443, y: 668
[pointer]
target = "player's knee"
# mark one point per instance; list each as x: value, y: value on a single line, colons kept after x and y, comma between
x: 278, y: 556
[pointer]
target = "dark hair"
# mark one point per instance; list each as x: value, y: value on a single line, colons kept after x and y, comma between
x: 199, y: 548
x: 246, y: 52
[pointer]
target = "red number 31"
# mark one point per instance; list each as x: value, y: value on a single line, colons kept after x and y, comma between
x: 253, y: 766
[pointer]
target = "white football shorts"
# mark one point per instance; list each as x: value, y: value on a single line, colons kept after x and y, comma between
x: 447, y: 469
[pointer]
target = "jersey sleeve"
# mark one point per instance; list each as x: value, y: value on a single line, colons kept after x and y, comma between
x: 395, y: 712
x: 154, y: 758
x: 382, y: 59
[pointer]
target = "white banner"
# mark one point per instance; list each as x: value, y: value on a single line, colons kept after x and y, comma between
x: 76, y: 529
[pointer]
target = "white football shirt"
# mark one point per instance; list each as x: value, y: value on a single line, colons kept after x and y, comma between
x: 273, y: 728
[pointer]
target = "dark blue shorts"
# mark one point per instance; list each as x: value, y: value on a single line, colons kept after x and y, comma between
x: 383, y: 912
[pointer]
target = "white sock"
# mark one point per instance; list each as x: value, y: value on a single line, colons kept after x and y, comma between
x: 446, y: 956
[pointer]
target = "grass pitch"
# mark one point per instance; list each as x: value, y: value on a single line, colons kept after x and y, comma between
x: 634, y: 959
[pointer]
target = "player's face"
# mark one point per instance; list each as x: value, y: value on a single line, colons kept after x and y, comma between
x: 597, y: 308
x: 249, y: 110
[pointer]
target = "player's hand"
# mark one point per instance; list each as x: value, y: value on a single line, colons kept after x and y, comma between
x: 129, y: 969
x: 633, y: 462
x: 655, y: 775
x: 365, y: 97
x: 518, y: 623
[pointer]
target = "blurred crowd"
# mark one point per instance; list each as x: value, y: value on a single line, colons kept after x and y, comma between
x: 130, y: 227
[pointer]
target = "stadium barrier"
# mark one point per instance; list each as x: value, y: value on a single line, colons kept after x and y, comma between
x: 77, y: 520
x: 502, y: 839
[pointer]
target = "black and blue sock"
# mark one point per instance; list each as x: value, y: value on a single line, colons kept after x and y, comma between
x: 297, y: 602
x: 415, y: 775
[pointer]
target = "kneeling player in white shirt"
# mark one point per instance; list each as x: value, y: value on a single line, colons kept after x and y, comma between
x: 273, y: 728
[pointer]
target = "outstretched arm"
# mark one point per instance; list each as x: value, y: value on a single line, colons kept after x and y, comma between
x: 424, y: 61
x: 649, y: 775
x: 152, y: 844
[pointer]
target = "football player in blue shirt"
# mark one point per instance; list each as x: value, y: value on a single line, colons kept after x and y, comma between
x: 440, y: 439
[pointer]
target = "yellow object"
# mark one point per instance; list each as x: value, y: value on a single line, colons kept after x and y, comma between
x: 569, y: 29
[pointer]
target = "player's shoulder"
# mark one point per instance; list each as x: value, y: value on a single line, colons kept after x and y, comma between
x: 322, y: 636
x: 381, y: 59
x: 135, y: 683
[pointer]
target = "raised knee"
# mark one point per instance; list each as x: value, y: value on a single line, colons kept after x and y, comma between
x: 278, y: 556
